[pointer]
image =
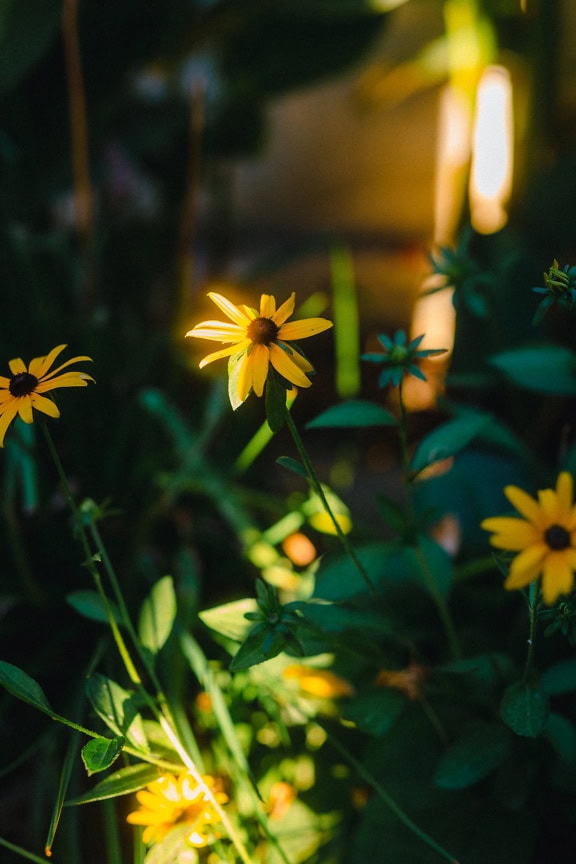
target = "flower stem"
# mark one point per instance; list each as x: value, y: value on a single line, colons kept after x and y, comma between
x: 532, y: 634
x: 89, y: 559
x: 317, y: 487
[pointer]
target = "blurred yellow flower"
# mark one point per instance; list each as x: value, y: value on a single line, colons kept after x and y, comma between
x: 22, y: 392
x: 545, y: 538
x: 409, y: 680
x: 321, y: 683
x: 171, y: 801
x: 258, y: 339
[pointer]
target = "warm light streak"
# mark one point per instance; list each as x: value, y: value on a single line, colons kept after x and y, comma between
x: 492, y: 146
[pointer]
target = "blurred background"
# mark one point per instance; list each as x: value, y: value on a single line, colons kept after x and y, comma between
x: 150, y: 153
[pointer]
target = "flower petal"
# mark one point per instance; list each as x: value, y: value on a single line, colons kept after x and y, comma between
x: 286, y: 366
x: 259, y: 359
x: 6, y: 417
x: 235, y: 314
x: 40, y: 365
x: 294, y: 330
x: 565, y: 491
x: 511, y: 533
x: 245, y: 376
x: 558, y: 575
x: 218, y: 331
x: 46, y: 406
x: 285, y: 310
x: 526, y: 505
x: 526, y: 567
x: 24, y: 405
x: 267, y: 306
x: 68, y: 379
x: 17, y: 366
x: 225, y: 352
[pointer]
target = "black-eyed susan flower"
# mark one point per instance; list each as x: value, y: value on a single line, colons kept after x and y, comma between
x: 24, y: 390
x: 545, y: 538
x: 400, y: 357
x: 260, y: 338
x: 171, y: 801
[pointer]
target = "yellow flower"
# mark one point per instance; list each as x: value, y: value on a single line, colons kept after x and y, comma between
x: 322, y: 683
x: 545, y: 538
x: 23, y: 391
x: 171, y: 801
x: 258, y: 339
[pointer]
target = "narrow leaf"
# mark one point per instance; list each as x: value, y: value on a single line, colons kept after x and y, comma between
x: 122, y: 782
x: 89, y: 604
x: 356, y: 413
x: 23, y: 687
x: 292, y: 465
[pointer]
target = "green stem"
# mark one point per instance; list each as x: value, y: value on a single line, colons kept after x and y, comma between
x: 20, y: 851
x: 532, y: 634
x: 388, y: 800
x: 89, y: 559
x: 317, y: 487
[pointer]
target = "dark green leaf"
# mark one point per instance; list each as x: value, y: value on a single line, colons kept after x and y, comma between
x: 355, y: 413
x: 118, y: 708
x: 100, y: 753
x: 449, y: 439
x: 89, y: 604
x: 541, y: 368
x: 525, y: 710
x: 23, y: 687
x: 292, y: 465
x: 336, y: 617
x: 375, y: 711
x: 561, y: 734
x: 157, y: 615
x: 122, y: 782
x: 262, y: 643
x: 275, y: 402
x: 473, y: 756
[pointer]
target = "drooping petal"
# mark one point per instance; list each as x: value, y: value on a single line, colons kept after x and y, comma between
x: 557, y: 576
x: 24, y: 405
x: 565, y: 491
x: 260, y: 356
x: 40, y: 365
x: 17, y: 366
x: 297, y: 356
x: 295, y: 330
x: 285, y: 310
x: 526, y: 566
x: 68, y: 379
x: 236, y: 348
x: 526, y: 505
x: 245, y: 376
x: 41, y: 403
x: 6, y: 417
x: 235, y: 314
x: 285, y: 365
x: 267, y: 306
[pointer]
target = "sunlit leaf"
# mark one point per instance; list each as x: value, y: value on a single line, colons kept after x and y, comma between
x: 121, y: 782
x: 228, y: 619
x: 100, y: 753
x: 157, y: 615
x: 118, y: 708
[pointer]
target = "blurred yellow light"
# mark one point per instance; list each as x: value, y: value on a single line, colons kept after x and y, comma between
x: 492, y: 156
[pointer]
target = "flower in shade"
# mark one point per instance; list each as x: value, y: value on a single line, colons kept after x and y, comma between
x: 400, y: 357
x: 178, y: 801
x: 559, y: 287
x: 257, y: 339
x: 545, y: 538
x: 24, y: 390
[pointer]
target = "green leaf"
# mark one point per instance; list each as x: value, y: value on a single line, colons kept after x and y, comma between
x: 173, y: 848
x: 473, y: 756
x: 275, y: 403
x: 560, y: 678
x: 525, y: 710
x: 262, y: 643
x: 376, y: 711
x: 337, y: 617
x: 100, y: 753
x: 449, y: 439
x: 355, y: 413
x: 431, y: 564
x: 26, y: 33
x: 292, y: 465
x: 89, y: 604
x: 118, y: 708
x: 157, y: 615
x: 122, y: 782
x: 229, y: 619
x: 23, y: 687
x: 541, y: 368
x: 561, y: 734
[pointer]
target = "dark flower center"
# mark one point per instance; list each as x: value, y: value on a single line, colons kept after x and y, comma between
x: 22, y: 384
x: 262, y: 331
x: 557, y: 537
